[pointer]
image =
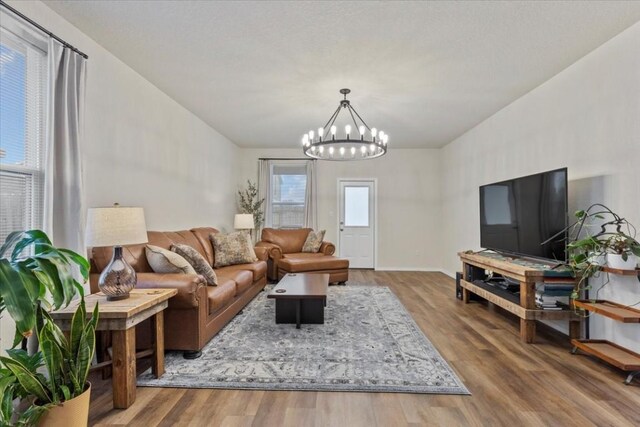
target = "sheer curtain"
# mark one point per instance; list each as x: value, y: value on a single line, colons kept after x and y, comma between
x: 64, y: 198
x: 264, y: 192
x: 310, y: 205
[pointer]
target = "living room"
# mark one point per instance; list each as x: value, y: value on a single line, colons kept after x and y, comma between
x: 179, y: 106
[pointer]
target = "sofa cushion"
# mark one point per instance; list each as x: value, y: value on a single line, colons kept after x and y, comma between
x: 242, y: 278
x: 289, y: 240
x: 220, y: 296
x: 164, y: 261
x: 232, y: 248
x: 305, y: 255
x: 259, y: 269
x: 197, y: 261
x: 313, y: 242
x: 202, y: 235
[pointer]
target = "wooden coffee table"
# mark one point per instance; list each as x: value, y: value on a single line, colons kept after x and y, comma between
x: 301, y: 298
x: 120, y: 318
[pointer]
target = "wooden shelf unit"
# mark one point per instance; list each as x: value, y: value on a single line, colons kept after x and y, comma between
x: 528, y: 274
x: 621, y: 272
x: 610, y: 309
x: 608, y: 351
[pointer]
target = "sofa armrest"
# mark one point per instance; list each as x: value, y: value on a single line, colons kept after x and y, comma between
x: 327, y: 248
x: 275, y: 253
x: 191, y: 287
x: 262, y: 253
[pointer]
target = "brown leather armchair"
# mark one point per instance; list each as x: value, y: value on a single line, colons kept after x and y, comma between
x: 198, y: 311
x: 285, y: 255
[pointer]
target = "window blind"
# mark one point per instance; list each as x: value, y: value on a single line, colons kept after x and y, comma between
x: 288, y: 194
x: 23, y: 71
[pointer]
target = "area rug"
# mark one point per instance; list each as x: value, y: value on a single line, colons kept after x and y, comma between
x: 368, y: 342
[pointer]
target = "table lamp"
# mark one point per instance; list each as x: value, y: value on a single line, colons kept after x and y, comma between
x: 244, y: 222
x: 116, y: 226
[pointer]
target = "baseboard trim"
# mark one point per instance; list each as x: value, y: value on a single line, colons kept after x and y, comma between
x: 422, y: 269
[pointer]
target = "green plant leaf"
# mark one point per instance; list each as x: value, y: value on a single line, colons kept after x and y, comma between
x: 27, y: 380
x: 13, y: 288
x: 31, y: 237
x: 85, y: 355
x: 77, y: 327
x: 80, y: 261
x: 65, y: 392
x: 51, y: 280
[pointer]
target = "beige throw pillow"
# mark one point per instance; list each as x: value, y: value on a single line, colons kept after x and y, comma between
x: 232, y: 248
x: 197, y: 261
x: 164, y: 261
x: 314, y: 241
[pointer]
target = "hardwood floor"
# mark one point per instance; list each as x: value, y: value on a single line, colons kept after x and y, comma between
x: 512, y: 383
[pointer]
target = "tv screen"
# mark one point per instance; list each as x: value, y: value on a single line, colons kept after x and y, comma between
x: 518, y: 215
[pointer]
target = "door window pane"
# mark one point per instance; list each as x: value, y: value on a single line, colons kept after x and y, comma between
x: 356, y: 206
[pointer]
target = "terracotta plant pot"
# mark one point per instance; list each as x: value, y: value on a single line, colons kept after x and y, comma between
x: 72, y: 413
x: 616, y: 261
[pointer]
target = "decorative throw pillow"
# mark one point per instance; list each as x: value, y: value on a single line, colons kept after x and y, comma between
x: 314, y: 241
x: 232, y: 248
x: 197, y: 261
x: 164, y: 261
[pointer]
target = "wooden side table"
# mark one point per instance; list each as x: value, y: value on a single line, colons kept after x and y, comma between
x: 120, y: 318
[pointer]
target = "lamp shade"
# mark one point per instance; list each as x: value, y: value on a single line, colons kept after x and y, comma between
x: 243, y: 222
x: 115, y: 226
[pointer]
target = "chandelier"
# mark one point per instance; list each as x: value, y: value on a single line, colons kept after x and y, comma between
x: 359, y: 143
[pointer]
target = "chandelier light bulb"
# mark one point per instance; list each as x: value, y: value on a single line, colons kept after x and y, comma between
x: 374, y: 132
x: 381, y: 135
x: 334, y: 129
x: 311, y: 134
x: 313, y: 148
x: 372, y: 147
x: 342, y: 151
x: 320, y: 132
x: 321, y: 149
x: 353, y: 151
x: 347, y: 130
x: 331, y: 151
x: 363, y: 149
x: 361, y: 129
x: 385, y: 139
x: 305, y: 139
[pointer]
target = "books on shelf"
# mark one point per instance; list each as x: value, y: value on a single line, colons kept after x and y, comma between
x: 553, y: 296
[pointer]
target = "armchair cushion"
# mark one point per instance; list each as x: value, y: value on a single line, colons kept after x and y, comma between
x: 197, y: 261
x: 220, y: 295
x: 313, y: 242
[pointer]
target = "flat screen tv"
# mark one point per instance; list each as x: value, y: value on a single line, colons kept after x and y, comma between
x: 518, y: 215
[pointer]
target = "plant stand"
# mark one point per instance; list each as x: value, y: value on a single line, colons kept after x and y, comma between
x: 612, y: 353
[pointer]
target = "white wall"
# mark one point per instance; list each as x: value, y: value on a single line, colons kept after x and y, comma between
x: 408, y: 201
x: 586, y: 118
x: 141, y: 148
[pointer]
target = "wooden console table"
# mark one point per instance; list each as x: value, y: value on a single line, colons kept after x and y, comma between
x: 528, y: 274
x: 120, y: 317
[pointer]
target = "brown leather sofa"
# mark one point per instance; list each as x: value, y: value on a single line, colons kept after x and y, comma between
x: 286, y: 256
x: 198, y: 311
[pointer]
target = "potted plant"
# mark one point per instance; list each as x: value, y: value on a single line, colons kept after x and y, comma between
x: 599, y: 237
x: 55, y: 377
x: 250, y: 203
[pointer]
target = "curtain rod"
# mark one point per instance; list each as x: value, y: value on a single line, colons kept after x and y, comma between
x: 44, y: 30
x: 285, y: 158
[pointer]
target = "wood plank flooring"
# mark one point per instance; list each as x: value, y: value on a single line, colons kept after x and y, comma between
x: 513, y: 384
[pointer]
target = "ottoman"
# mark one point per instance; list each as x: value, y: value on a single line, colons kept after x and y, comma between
x: 337, y: 268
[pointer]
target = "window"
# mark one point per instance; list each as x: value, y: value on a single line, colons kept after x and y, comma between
x: 23, y: 68
x: 288, y: 195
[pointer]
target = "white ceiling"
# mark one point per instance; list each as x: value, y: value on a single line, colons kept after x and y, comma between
x: 263, y: 73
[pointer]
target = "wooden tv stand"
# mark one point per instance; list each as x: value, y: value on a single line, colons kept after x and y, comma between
x: 528, y: 273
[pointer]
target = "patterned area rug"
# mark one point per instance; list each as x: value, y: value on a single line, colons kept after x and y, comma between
x: 368, y: 342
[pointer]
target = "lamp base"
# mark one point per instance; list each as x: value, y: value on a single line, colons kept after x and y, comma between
x: 118, y: 278
x: 118, y: 297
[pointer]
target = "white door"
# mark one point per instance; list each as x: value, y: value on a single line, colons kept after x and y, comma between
x: 357, y: 222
